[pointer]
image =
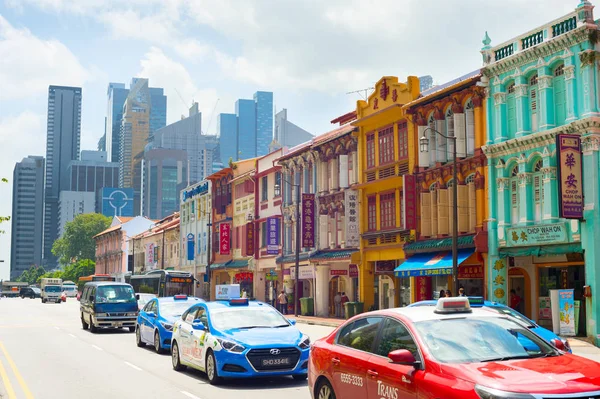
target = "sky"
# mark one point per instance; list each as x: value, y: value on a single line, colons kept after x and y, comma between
x: 310, y: 53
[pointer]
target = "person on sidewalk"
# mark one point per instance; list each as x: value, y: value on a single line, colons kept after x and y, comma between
x: 461, y: 291
x: 337, y: 300
x: 343, y: 302
x: 282, y: 302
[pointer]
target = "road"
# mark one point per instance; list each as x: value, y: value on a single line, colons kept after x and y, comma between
x: 45, y: 354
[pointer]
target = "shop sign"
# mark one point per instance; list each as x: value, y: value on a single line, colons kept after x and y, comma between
x: 244, y: 276
x: 224, y: 238
x: 537, y: 235
x: 227, y: 291
x: 409, y: 202
x: 190, y: 246
x: 271, y: 276
x: 447, y: 271
x: 470, y: 272
x: 566, y: 307
x: 250, y: 239
x: 308, y: 220
x: 273, y: 236
x: 385, y: 266
x: 545, y: 308
x: 423, y: 288
x: 570, y: 176
x: 286, y: 272
x: 304, y: 273
x: 150, y: 253
x: 353, y: 271
x: 351, y: 210
x: 200, y: 189
x: 336, y: 272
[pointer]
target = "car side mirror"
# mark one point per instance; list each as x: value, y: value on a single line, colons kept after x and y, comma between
x: 137, y: 297
x: 198, y: 325
x: 402, y: 356
x: 92, y: 298
x: 150, y: 314
x: 558, y: 344
x: 292, y: 321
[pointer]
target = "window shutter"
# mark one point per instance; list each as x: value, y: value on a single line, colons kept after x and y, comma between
x: 425, y: 214
x: 323, y: 227
x: 442, y: 209
x: 434, y: 213
x: 441, y: 142
x: 463, y: 208
x: 470, y: 117
x: 450, y: 205
x: 511, y: 111
x: 472, y: 207
x: 514, y: 201
x: 537, y: 196
x: 533, y: 108
x: 560, y: 102
x: 423, y: 155
x: 460, y: 133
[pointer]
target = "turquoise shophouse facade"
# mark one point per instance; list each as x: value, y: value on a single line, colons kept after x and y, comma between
x: 542, y: 84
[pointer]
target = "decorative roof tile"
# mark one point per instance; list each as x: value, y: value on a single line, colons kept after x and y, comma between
x: 440, y: 244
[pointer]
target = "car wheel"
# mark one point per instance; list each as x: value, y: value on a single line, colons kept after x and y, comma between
x: 93, y: 328
x: 176, y: 361
x: 138, y: 338
x: 211, y: 369
x: 300, y: 377
x: 325, y: 391
x: 84, y: 325
x: 157, y: 346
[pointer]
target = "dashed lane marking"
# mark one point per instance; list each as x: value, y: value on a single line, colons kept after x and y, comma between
x: 189, y: 395
x: 133, y: 366
x: 72, y: 335
x: 97, y: 347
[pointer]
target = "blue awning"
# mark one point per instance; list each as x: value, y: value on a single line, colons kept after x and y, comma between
x: 431, y: 264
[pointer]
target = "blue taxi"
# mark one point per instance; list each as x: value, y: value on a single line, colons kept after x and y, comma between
x: 155, y: 321
x: 478, y: 302
x: 239, y: 338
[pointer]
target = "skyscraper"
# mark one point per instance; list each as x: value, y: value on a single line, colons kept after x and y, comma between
x: 62, y: 147
x: 228, y: 135
x: 117, y: 94
x: 288, y: 134
x: 27, y: 211
x: 264, y: 121
x: 425, y: 82
x: 245, y: 110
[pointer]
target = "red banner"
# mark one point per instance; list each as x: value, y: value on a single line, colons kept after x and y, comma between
x: 423, y: 288
x: 338, y: 272
x: 470, y: 272
x: 250, y: 239
x: 353, y: 271
x: 308, y: 220
x: 224, y: 238
x: 409, y: 191
x: 244, y: 276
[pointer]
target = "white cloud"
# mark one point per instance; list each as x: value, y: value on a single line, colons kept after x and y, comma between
x: 29, y: 64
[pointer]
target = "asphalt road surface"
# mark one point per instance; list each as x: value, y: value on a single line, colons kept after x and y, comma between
x: 45, y: 354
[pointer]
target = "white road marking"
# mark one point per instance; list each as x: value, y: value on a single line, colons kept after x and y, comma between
x: 97, y: 347
x: 189, y: 395
x: 133, y: 366
x: 73, y: 335
x: 58, y: 328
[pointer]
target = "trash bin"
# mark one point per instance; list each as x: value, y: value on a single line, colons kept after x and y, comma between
x: 307, y: 306
x: 350, y: 309
x: 360, y: 307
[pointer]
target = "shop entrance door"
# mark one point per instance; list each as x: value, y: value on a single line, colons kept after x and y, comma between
x: 517, y: 283
x: 334, y: 288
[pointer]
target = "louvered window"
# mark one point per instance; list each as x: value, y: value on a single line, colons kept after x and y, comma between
x: 371, y: 150
x: 386, y: 146
x: 511, y: 111
x: 538, y: 190
x: 387, y: 203
x: 433, y: 155
x: 372, y: 213
x: 533, y: 89
x: 402, y: 140
x: 470, y: 118
x: 514, y: 195
x: 449, y: 133
x: 560, y: 96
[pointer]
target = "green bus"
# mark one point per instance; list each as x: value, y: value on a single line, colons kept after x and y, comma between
x: 162, y: 283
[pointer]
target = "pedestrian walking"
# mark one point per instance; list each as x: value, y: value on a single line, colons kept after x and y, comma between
x: 461, y: 291
x: 448, y: 294
x: 337, y: 300
x: 282, y: 301
x: 343, y: 301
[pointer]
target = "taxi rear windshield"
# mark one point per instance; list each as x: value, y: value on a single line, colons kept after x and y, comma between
x: 481, y: 340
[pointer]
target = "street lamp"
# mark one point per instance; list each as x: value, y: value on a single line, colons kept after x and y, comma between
x: 297, y: 271
x: 424, y: 144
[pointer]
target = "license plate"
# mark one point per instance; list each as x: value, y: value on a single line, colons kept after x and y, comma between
x: 282, y: 361
x: 118, y: 324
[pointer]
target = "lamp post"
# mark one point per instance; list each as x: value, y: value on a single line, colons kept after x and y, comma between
x: 424, y: 146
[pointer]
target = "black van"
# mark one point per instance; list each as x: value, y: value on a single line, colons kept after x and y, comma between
x: 108, y: 304
x: 30, y: 292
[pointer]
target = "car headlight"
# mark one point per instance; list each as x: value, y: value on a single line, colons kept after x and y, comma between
x: 490, y: 393
x: 100, y: 314
x: 305, y: 342
x: 132, y: 314
x: 167, y: 326
x: 567, y: 345
x: 231, y: 346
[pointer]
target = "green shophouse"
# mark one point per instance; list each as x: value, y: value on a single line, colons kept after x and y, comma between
x: 539, y: 85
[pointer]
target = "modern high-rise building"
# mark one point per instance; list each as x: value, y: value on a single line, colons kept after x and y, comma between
x: 92, y: 172
x: 102, y: 141
x: 140, y: 120
x: 247, y: 133
x: 117, y: 94
x: 425, y: 82
x: 27, y: 212
x: 288, y: 134
x: 73, y: 203
x: 165, y: 175
x: 62, y: 147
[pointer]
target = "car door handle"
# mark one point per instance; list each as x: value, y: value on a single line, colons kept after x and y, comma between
x: 335, y: 361
x: 372, y: 373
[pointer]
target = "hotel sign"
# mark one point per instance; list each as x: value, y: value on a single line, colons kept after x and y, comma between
x: 570, y: 176
x: 537, y: 235
x: 351, y: 208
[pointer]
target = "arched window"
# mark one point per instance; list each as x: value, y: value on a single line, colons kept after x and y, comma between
x: 433, y: 187
x: 560, y: 96
x: 433, y: 155
x: 533, y: 90
x: 538, y: 190
x: 450, y: 183
x: 470, y: 179
x: 514, y: 194
x: 511, y: 111
x: 450, y: 133
x: 470, y: 122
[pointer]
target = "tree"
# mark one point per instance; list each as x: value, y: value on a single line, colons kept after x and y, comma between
x: 4, y: 218
x: 31, y: 275
x: 83, y: 267
x: 77, y: 242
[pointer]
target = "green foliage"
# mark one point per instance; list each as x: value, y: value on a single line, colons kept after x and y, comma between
x: 72, y: 272
x: 4, y: 218
x: 31, y: 275
x: 77, y: 242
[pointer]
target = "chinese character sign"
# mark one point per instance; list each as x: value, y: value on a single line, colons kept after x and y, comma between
x: 409, y: 202
x: 308, y: 220
x: 250, y: 239
x: 570, y: 184
x: 423, y: 285
x: 351, y: 206
x: 272, y: 236
x: 150, y: 254
x: 224, y: 238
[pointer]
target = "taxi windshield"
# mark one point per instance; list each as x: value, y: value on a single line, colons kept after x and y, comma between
x: 174, y: 309
x: 114, y: 294
x: 244, y: 318
x: 481, y: 340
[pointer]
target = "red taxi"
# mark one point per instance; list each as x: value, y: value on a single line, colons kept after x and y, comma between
x: 449, y: 351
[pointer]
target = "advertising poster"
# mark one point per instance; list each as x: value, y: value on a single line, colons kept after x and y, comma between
x: 227, y: 291
x: 566, y: 306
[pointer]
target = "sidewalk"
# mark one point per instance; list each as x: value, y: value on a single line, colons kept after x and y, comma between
x: 583, y: 348
x: 320, y: 321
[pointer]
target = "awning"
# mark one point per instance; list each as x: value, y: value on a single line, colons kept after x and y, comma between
x: 431, y: 264
x: 217, y: 266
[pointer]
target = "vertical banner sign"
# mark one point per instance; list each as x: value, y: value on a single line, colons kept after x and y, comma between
x: 250, y: 239
x: 150, y: 254
x: 351, y: 208
x: 190, y: 246
x: 308, y: 220
x: 273, y: 236
x: 409, y: 202
x: 570, y: 184
x: 224, y: 238
x: 566, y: 307
x: 423, y: 288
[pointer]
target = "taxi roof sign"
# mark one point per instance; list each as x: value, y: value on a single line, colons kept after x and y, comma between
x: 238, y: 302
x: 453, y: 305
x: 180, y: 297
